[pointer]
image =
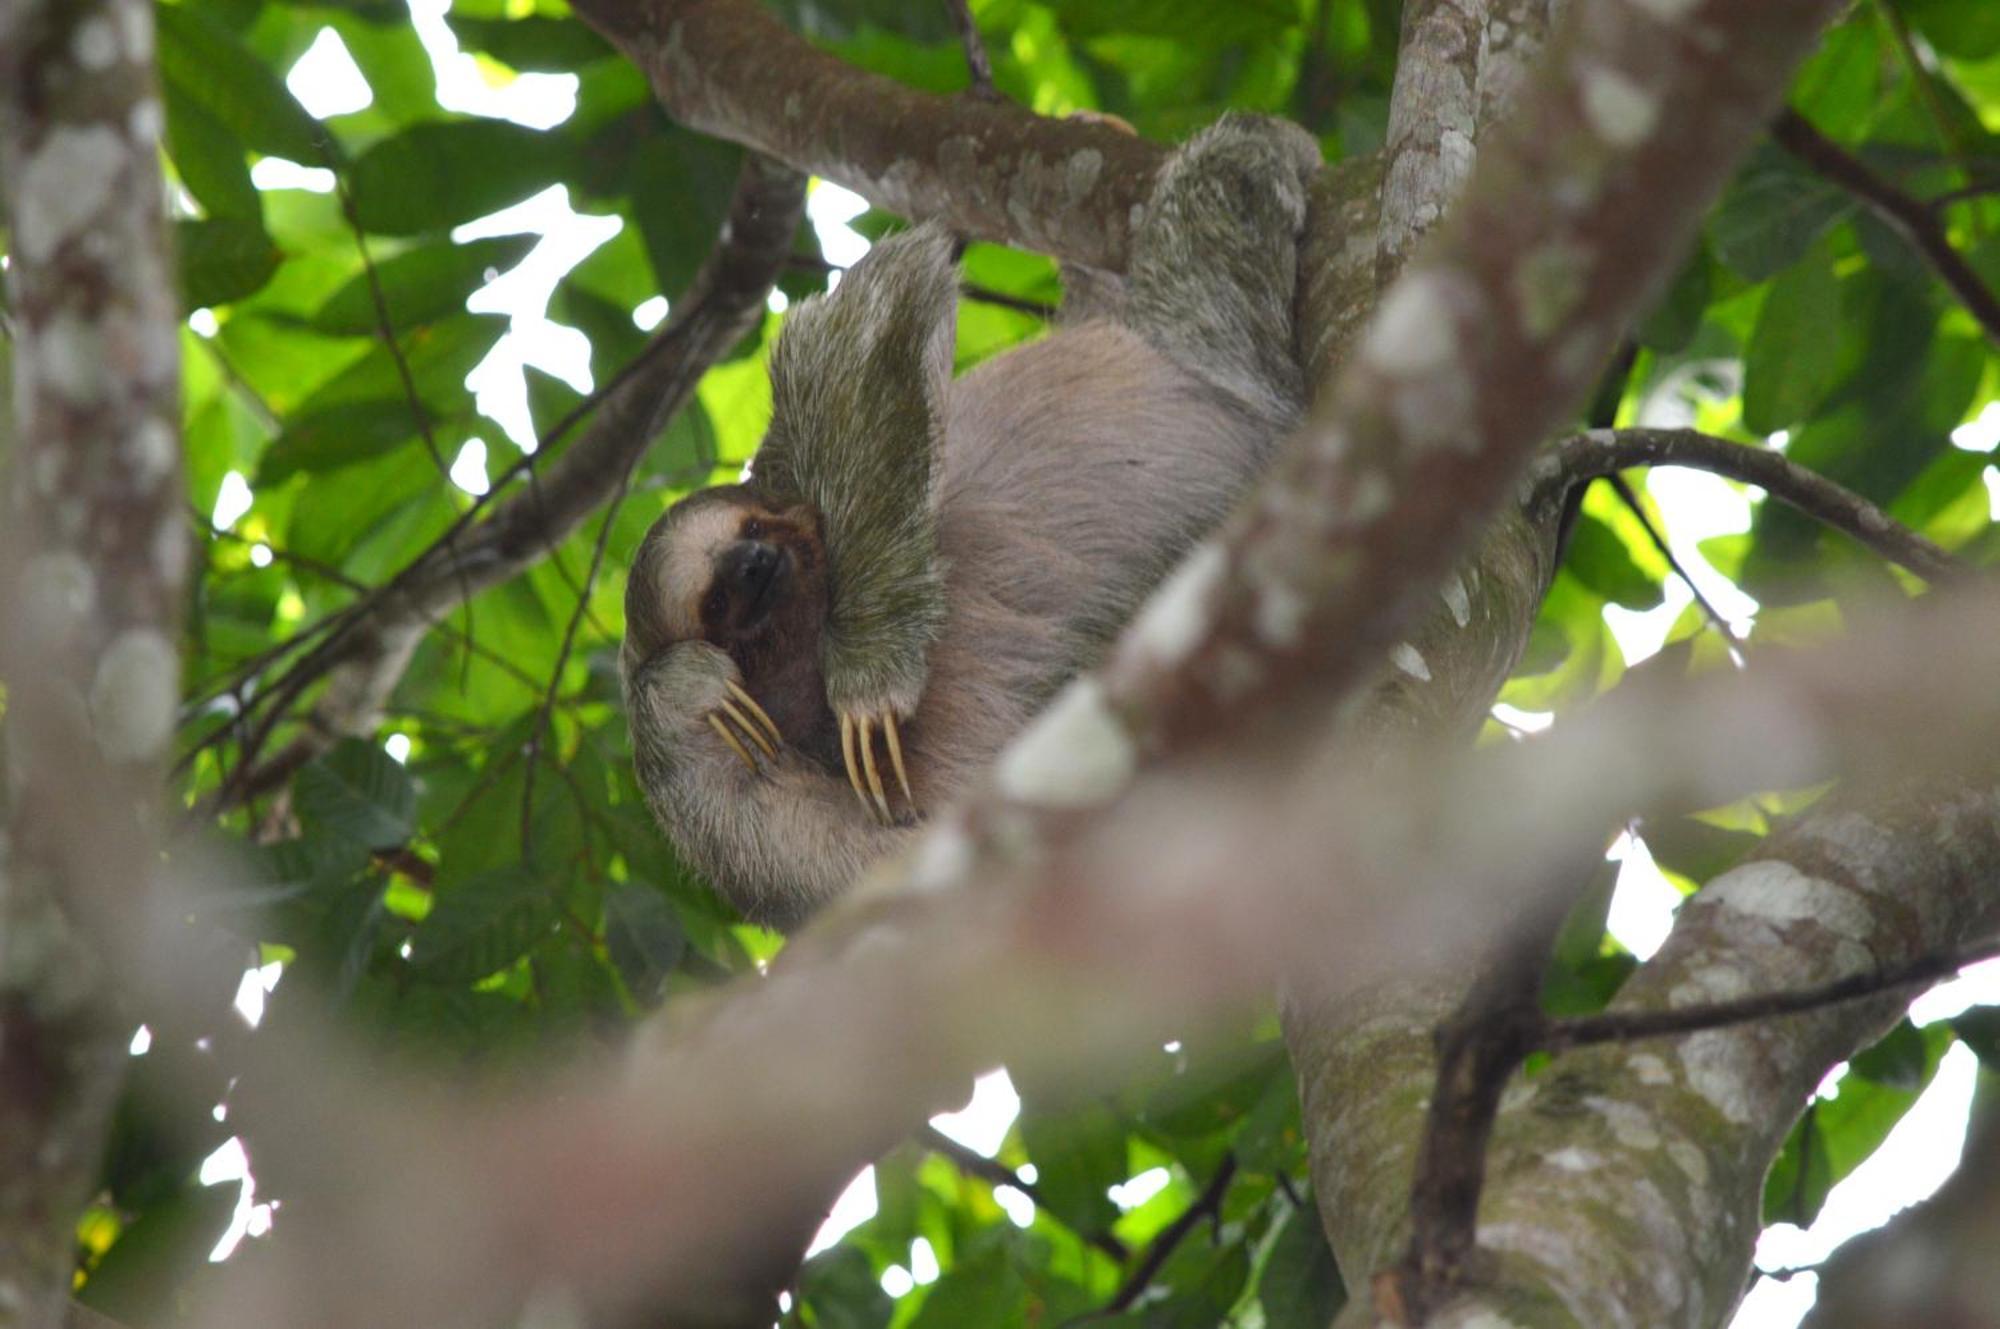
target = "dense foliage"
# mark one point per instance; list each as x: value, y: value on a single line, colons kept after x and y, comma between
x: 482, y: 885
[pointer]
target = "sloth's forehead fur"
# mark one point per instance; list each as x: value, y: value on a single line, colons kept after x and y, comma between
x: 696, y: 539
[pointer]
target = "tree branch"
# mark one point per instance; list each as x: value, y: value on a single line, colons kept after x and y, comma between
x: 1910, y: 218
x: 1626, y: 1026
x: 1479, y: 1048
x: 1604, y: 452
x: 989, y: 169
x: 93, y: 557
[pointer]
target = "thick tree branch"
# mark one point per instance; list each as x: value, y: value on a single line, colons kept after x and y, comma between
x: 1909, y: 217
x: 1652, y: 1158
x: 879, y: 1016
x: 1605, y: 452
x: 989, y: 169
x: 93, y: 553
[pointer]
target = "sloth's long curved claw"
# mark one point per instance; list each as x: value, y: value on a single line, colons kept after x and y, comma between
x: 853, y: 771
x: 755, y: 734
x: 874, y: 777
x: 749, y: 703
x: 895, y: 739
x: 721, y: 729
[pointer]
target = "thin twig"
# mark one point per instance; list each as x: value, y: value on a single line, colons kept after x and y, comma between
x: 996, y: 1173
x: 1623, y: 1026
x: 1605, y: 451
x: 1904, y: 214
x: 976, y: 62
x: 1206, y: 1205
x: 1623, y: 488
x: 548, y: 706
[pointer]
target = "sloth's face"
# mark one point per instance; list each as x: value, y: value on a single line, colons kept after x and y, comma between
x: 730, y: 568
x: 733, y: 568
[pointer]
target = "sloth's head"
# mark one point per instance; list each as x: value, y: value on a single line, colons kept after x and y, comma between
x: 733, y: 568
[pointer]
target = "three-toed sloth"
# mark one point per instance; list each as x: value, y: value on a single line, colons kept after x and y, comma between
x: 917, y: 563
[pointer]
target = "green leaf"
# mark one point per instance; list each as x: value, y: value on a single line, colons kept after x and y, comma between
x: 165, y: 1247
x: 421, y: 285
x: 1963, y: 31
x: 209, y: 65
x: 223, y: 260
x: 1793, y: 358
x: 841, y: 1289
x: 1979, y: 1029
x: 1300, y: 1286
x: 1801, y: 1176
x: 644, y: 938
x: 481, y: 925
x: 337, y: 436
x: 211, y: 159
x: 359, y: 791
x: 680, y: 183
x: 532, y: 44
x: 1899, y: 1061
x: 1772, y: 213
x: 435, y: 176
x: 1078, y: 1156
x: 1600, y: 560
x: 981, y: 1292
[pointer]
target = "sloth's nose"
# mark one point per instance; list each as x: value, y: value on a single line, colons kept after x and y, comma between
x: 749, y: 565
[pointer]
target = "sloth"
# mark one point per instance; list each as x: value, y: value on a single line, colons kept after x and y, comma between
x: 916, y: 563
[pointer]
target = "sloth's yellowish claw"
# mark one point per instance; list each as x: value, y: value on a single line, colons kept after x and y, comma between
x: 890, y: 732
x: 749, y: 703
x: 853, y: 771
x: 721, y: 729
x: 750, y: 730
x: 874, y: 777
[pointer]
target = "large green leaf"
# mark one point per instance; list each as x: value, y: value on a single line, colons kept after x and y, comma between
x: 223, y: 260
x: 482, y: 925
x: 420, y: 285
x: 339, y: 435
x: 210, y: 158
x: 206, y: 63
x: 1793, y: 358
x: 359, y: 791
x: 1772, y: 213
x: 435, y: 176
x: 680, y: 192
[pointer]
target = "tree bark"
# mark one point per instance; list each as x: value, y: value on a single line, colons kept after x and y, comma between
x: 91, y: 566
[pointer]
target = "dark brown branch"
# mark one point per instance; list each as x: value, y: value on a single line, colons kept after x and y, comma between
x: 1603, y: 452
x: 977, y: 62
x: 989, y: 169
x: 1624, y: 1026
x: 992, y: 1171
x: 1907, y: 216
x: 1490, y: 1033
